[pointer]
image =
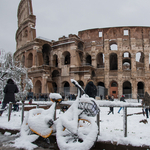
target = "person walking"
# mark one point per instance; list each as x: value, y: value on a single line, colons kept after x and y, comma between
x: 91, y: 89
x: 101, y: 97
x: 123, y: 100
x: 146, y: 109
x: 9, y: 91
x: 142, y: 103
x: 111, y: 108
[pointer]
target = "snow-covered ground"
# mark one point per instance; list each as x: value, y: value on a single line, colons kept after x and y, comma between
x: 111, y: 126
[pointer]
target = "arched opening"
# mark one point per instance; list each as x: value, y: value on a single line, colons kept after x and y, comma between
x: 113, y: 46
x: 113, y: 61
x: 38, y: 87
x: 55, y: 61
x: 140, y: 89
x: 126, y: 61
x: 30, y: 60
x: 66, y: 89
x: 127, y: 89
x: 81, y: 57
x: 140, y: 61
x: 88, y: 60
x: 23, y: 61
x: 55, y: 73
x: 80, y: 46
x: 66, y: 58
x: 114, y: 89
x: 101, y: 90
x: 100, y: 60
x: 46, y: 52
x: 54, y: 87
x: 93, y: 74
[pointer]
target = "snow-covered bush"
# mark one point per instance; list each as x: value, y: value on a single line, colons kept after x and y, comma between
x: 9, y: 68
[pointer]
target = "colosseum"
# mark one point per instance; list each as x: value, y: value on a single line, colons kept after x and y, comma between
x: 116, y: 59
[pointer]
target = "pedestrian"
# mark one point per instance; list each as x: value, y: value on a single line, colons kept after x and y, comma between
x: 101, y: 97
x: 146, y: 109
x: 123, y: 100
x: 90, y: 89
x: 111, y: 108
x: 142, y: 103
x: 9, y: 91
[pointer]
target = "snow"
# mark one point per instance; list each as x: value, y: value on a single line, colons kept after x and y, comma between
x: 111, y: 126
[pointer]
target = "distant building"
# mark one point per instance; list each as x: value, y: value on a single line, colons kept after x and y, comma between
x: 105, y: 55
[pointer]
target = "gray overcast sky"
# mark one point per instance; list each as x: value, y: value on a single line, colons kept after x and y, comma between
x: 55, y: 18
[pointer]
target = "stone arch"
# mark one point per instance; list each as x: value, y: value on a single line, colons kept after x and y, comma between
x: 113, y: 61
x: 30, y: 60
x: 127, y: 89
x: 100, y: 60
x: 55, y: 73
x: 114, y: 88
x: 80, y: 46
x: 46, y: 52
x: 101, y: 89
x: 38, y: 87
x: 55, y: 60
x: 88, y: 60
x: 113, y: 45
x: 66, y: 87
x: 66, y: 58
x: 140, y: 89
x: 126, y: 61
x: 139, y: 60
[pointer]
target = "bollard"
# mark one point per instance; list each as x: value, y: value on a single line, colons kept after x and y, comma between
x: 98, y: 122
x: 9, y: 110
x: 125, y: 121
x: 22, y: 116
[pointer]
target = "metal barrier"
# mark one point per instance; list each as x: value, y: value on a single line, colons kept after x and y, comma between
x: 64, y: 103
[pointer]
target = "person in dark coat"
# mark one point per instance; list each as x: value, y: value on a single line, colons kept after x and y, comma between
x: 9, y: 91
x: 111, y: 108
x: 123, y: 100
x: 91, y: 89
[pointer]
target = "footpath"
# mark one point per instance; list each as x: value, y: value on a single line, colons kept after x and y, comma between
x: 42, y: 145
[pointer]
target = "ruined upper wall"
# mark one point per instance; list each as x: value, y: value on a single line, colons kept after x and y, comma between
x: 127, y: 38
x: 114, y: 33
x: 24, y: 11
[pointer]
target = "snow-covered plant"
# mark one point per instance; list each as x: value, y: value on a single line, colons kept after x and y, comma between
x: 9, y: 68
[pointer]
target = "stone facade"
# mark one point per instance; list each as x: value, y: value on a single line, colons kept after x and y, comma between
x: 116, y: 58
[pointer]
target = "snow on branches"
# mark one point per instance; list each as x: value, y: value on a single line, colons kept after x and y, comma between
x: 9, y: 68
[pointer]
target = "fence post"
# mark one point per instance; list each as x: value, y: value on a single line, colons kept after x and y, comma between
x: 22, y: 114
x: 125, y: 121
x: 98, y: 122
x: 9, y: 110
x: 37, y: 106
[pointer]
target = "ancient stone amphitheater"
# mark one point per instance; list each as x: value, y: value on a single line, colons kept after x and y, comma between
x: 116, y: 59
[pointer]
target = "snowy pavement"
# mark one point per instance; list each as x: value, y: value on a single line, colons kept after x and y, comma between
x: 111, y: 126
